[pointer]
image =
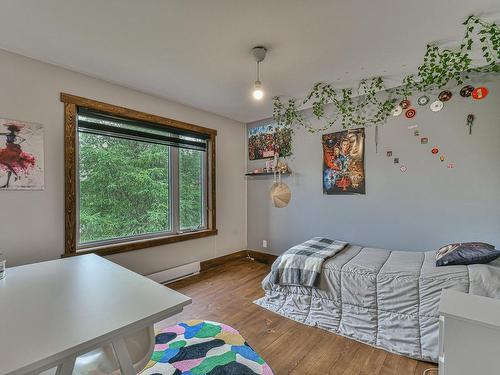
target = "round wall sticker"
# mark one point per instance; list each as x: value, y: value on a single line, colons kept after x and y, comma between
x: 410, y: 113
x: 405, y: 104
x: 397, y: 110
x: 423, y: 100
x: 436, y: 106
x: 466, y: 91
x: 445, y: 95
x: 435, y: 150
x: 480, y: 93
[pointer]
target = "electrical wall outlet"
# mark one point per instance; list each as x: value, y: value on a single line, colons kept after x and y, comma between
x: 264, y: 244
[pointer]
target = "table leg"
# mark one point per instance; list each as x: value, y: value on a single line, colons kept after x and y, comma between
x: 66, y: 367
x: 123, y: 356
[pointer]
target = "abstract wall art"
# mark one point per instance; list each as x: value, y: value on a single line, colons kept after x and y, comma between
x: 21, y: 155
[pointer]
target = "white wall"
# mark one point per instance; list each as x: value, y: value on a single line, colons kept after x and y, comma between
x: 422, y: 209
x: 32, y: 222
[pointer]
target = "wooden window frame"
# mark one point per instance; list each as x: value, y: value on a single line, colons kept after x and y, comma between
x: 71, y: 105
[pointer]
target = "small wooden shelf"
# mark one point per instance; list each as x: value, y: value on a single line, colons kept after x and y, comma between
x: 266, y: 173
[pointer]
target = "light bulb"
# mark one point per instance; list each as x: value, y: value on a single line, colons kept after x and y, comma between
x: 257, y: 92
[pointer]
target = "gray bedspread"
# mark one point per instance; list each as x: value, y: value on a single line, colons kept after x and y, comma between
x: 388, y: 299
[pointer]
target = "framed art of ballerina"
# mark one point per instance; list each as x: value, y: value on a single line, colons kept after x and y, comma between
x: 21, y: 155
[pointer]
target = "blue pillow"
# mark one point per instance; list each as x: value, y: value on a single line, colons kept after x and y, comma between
x: 466, y: 253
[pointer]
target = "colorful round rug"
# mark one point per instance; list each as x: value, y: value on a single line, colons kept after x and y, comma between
x: 197, y: 347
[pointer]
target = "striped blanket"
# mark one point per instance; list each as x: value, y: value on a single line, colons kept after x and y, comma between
x: 301, y: 264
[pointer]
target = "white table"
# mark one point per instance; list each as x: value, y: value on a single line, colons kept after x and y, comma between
x: 51, y: 312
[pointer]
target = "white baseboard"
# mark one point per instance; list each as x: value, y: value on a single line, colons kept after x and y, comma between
x: 174, y: 274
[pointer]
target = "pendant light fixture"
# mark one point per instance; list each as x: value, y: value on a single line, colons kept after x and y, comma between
x: 259, y: 54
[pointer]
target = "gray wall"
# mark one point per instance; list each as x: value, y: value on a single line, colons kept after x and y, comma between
x: 32, y: 222
x: 422, y: 209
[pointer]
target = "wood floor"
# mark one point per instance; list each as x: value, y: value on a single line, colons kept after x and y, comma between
x: 225, y: 294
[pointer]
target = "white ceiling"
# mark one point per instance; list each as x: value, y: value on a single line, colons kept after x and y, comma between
x: 197, y: 52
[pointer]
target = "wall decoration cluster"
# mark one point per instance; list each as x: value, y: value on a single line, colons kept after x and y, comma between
x: 266, y: 141
x: 343, y: 162
x: 21, y: 157
x: 466, y: 92
x: 364, y: 107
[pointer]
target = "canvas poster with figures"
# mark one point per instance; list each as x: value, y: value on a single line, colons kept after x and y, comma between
x: 343, y: 162
x: 21, y: 155
x: 265, y: 141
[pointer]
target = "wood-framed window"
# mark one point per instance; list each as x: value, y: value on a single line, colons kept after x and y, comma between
x: 134, y: 180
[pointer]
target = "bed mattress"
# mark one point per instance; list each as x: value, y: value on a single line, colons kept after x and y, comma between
x: 388, y: 299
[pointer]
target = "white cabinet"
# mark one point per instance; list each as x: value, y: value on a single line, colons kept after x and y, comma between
x: 469, y: 334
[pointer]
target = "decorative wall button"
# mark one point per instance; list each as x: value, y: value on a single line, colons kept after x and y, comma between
x: 423, y: 100
x: 405, y: 104
x: 397, y: 110
x: 466, y: 91
x: 437, y: 106
x: 480, y: 93
x: 410, y: 113
x: 445, y: 95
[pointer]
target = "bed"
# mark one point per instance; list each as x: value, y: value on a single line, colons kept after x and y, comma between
x: 387, y: 299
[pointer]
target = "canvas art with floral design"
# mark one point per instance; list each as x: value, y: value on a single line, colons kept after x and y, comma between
x: 268, y: 140
x: 343, y: 162
x: 21, y: 155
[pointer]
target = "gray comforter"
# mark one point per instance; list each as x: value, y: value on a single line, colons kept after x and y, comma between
x: 388, y: 299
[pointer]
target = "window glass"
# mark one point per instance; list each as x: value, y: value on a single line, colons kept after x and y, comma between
x: 123, y: 188
x: 191, y: 189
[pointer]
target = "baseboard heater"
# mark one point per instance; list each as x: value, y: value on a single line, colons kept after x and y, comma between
x: 174, y: 274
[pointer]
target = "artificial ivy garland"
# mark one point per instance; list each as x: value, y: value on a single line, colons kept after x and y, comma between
x: 439, y: 67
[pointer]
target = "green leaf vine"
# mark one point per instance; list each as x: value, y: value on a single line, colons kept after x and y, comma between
x: 363, y: 107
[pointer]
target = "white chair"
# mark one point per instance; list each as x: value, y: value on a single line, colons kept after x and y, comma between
x: 103, y: 360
